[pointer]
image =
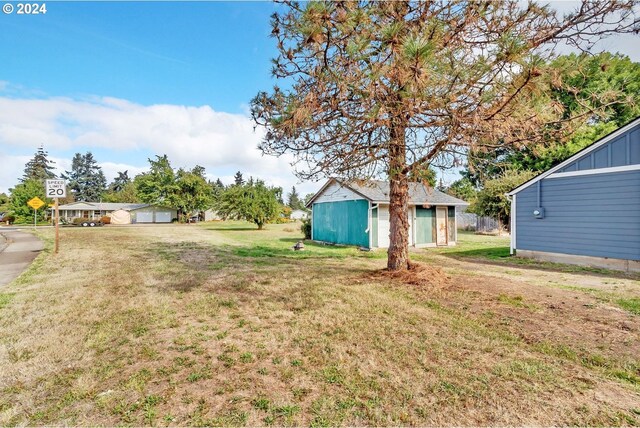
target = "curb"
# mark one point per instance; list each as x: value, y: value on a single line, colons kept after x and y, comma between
x: 4, y: 244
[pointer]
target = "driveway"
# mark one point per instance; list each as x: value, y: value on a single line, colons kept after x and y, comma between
x: 17, y: 251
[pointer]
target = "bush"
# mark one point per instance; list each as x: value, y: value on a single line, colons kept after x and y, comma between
x: 306, y: 228
x: 105, y: 219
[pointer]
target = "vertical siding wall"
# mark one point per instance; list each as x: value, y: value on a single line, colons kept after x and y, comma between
x: 343, y: 222
x: 624, y: 150
x: 592, y: 215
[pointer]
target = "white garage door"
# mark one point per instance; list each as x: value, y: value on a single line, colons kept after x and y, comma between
x: 163, y: 217
x: 144, y: 217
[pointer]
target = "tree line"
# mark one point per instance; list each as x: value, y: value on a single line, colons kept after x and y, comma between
x: 187, y: 190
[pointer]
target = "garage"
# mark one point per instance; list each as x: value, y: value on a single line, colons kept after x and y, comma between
x: 163, y: 216
x: 144, y: 217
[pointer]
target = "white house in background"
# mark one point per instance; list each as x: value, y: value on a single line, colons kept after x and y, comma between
x: 122, y: 213
x: 299, y: 215
x: 211, y: 215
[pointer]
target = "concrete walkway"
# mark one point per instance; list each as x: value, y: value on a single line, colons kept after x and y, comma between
x: 17, y: 251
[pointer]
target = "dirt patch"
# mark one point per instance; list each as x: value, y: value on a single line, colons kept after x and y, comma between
x: 420, y: 275
x: 546, y: 314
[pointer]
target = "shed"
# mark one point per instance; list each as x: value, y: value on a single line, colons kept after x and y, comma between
x: 585, y: 210
x: 351, y: 213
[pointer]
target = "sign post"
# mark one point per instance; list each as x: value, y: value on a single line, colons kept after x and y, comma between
x: 35, y: 203
x: 56, y: 189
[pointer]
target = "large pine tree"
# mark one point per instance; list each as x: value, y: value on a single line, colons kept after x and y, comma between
x: 86, y: 179
x: 39, y: 167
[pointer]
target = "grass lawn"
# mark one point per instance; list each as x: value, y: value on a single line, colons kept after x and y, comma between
x: 221, y: 324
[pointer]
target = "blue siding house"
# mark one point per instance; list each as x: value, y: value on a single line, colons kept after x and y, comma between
x: 586, y: 210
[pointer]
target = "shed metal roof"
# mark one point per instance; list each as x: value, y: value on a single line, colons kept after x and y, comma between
x: 378, y: 191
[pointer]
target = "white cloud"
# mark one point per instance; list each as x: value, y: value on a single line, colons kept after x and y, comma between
x: 12, y: 168
x: 220, y: 142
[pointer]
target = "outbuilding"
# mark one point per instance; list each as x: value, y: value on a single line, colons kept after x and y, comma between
x: 585, y: 210
x: 354, y: 213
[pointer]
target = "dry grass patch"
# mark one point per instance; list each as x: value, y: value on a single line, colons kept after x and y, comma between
x: 224, y: 325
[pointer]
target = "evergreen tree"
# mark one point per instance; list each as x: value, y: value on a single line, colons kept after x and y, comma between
x: 239, y: 181
x: 120, y: 181
x: 39, y: 167
x: 86, y: 179
x: 293, y: 200
x: 217, y: 188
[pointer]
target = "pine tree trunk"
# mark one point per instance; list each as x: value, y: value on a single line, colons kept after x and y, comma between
x: 398, y: 256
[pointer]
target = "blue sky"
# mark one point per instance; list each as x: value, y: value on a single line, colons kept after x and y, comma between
x: 129, y: 80
x: 191, y: 53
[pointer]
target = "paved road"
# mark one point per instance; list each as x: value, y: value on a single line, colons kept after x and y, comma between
x: 17, y: 251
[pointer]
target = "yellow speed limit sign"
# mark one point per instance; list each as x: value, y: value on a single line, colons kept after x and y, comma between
x: 35, y: 203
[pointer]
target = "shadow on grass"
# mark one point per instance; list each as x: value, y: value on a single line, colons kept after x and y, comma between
x: 494, y: 253
x: 232, y: 228
x: 190, y: 266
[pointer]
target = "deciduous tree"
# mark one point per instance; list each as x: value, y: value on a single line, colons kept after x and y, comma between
x: 24, y: 192
x: 492, y: 200
x: 378, y: 88
x: 194, y: 194
x: 158, y: 185
x: 608, y: 90
x: 253, y: 202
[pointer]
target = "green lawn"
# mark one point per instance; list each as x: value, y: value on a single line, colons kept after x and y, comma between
x: 483, y: 246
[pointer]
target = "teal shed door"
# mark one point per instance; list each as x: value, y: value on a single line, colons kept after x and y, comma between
x: 343, y: 222
x: 425, y: 220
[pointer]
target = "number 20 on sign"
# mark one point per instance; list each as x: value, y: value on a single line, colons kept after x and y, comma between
x: 56, y: 189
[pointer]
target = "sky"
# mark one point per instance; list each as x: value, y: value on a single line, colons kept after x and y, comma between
x: 131, y: 80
